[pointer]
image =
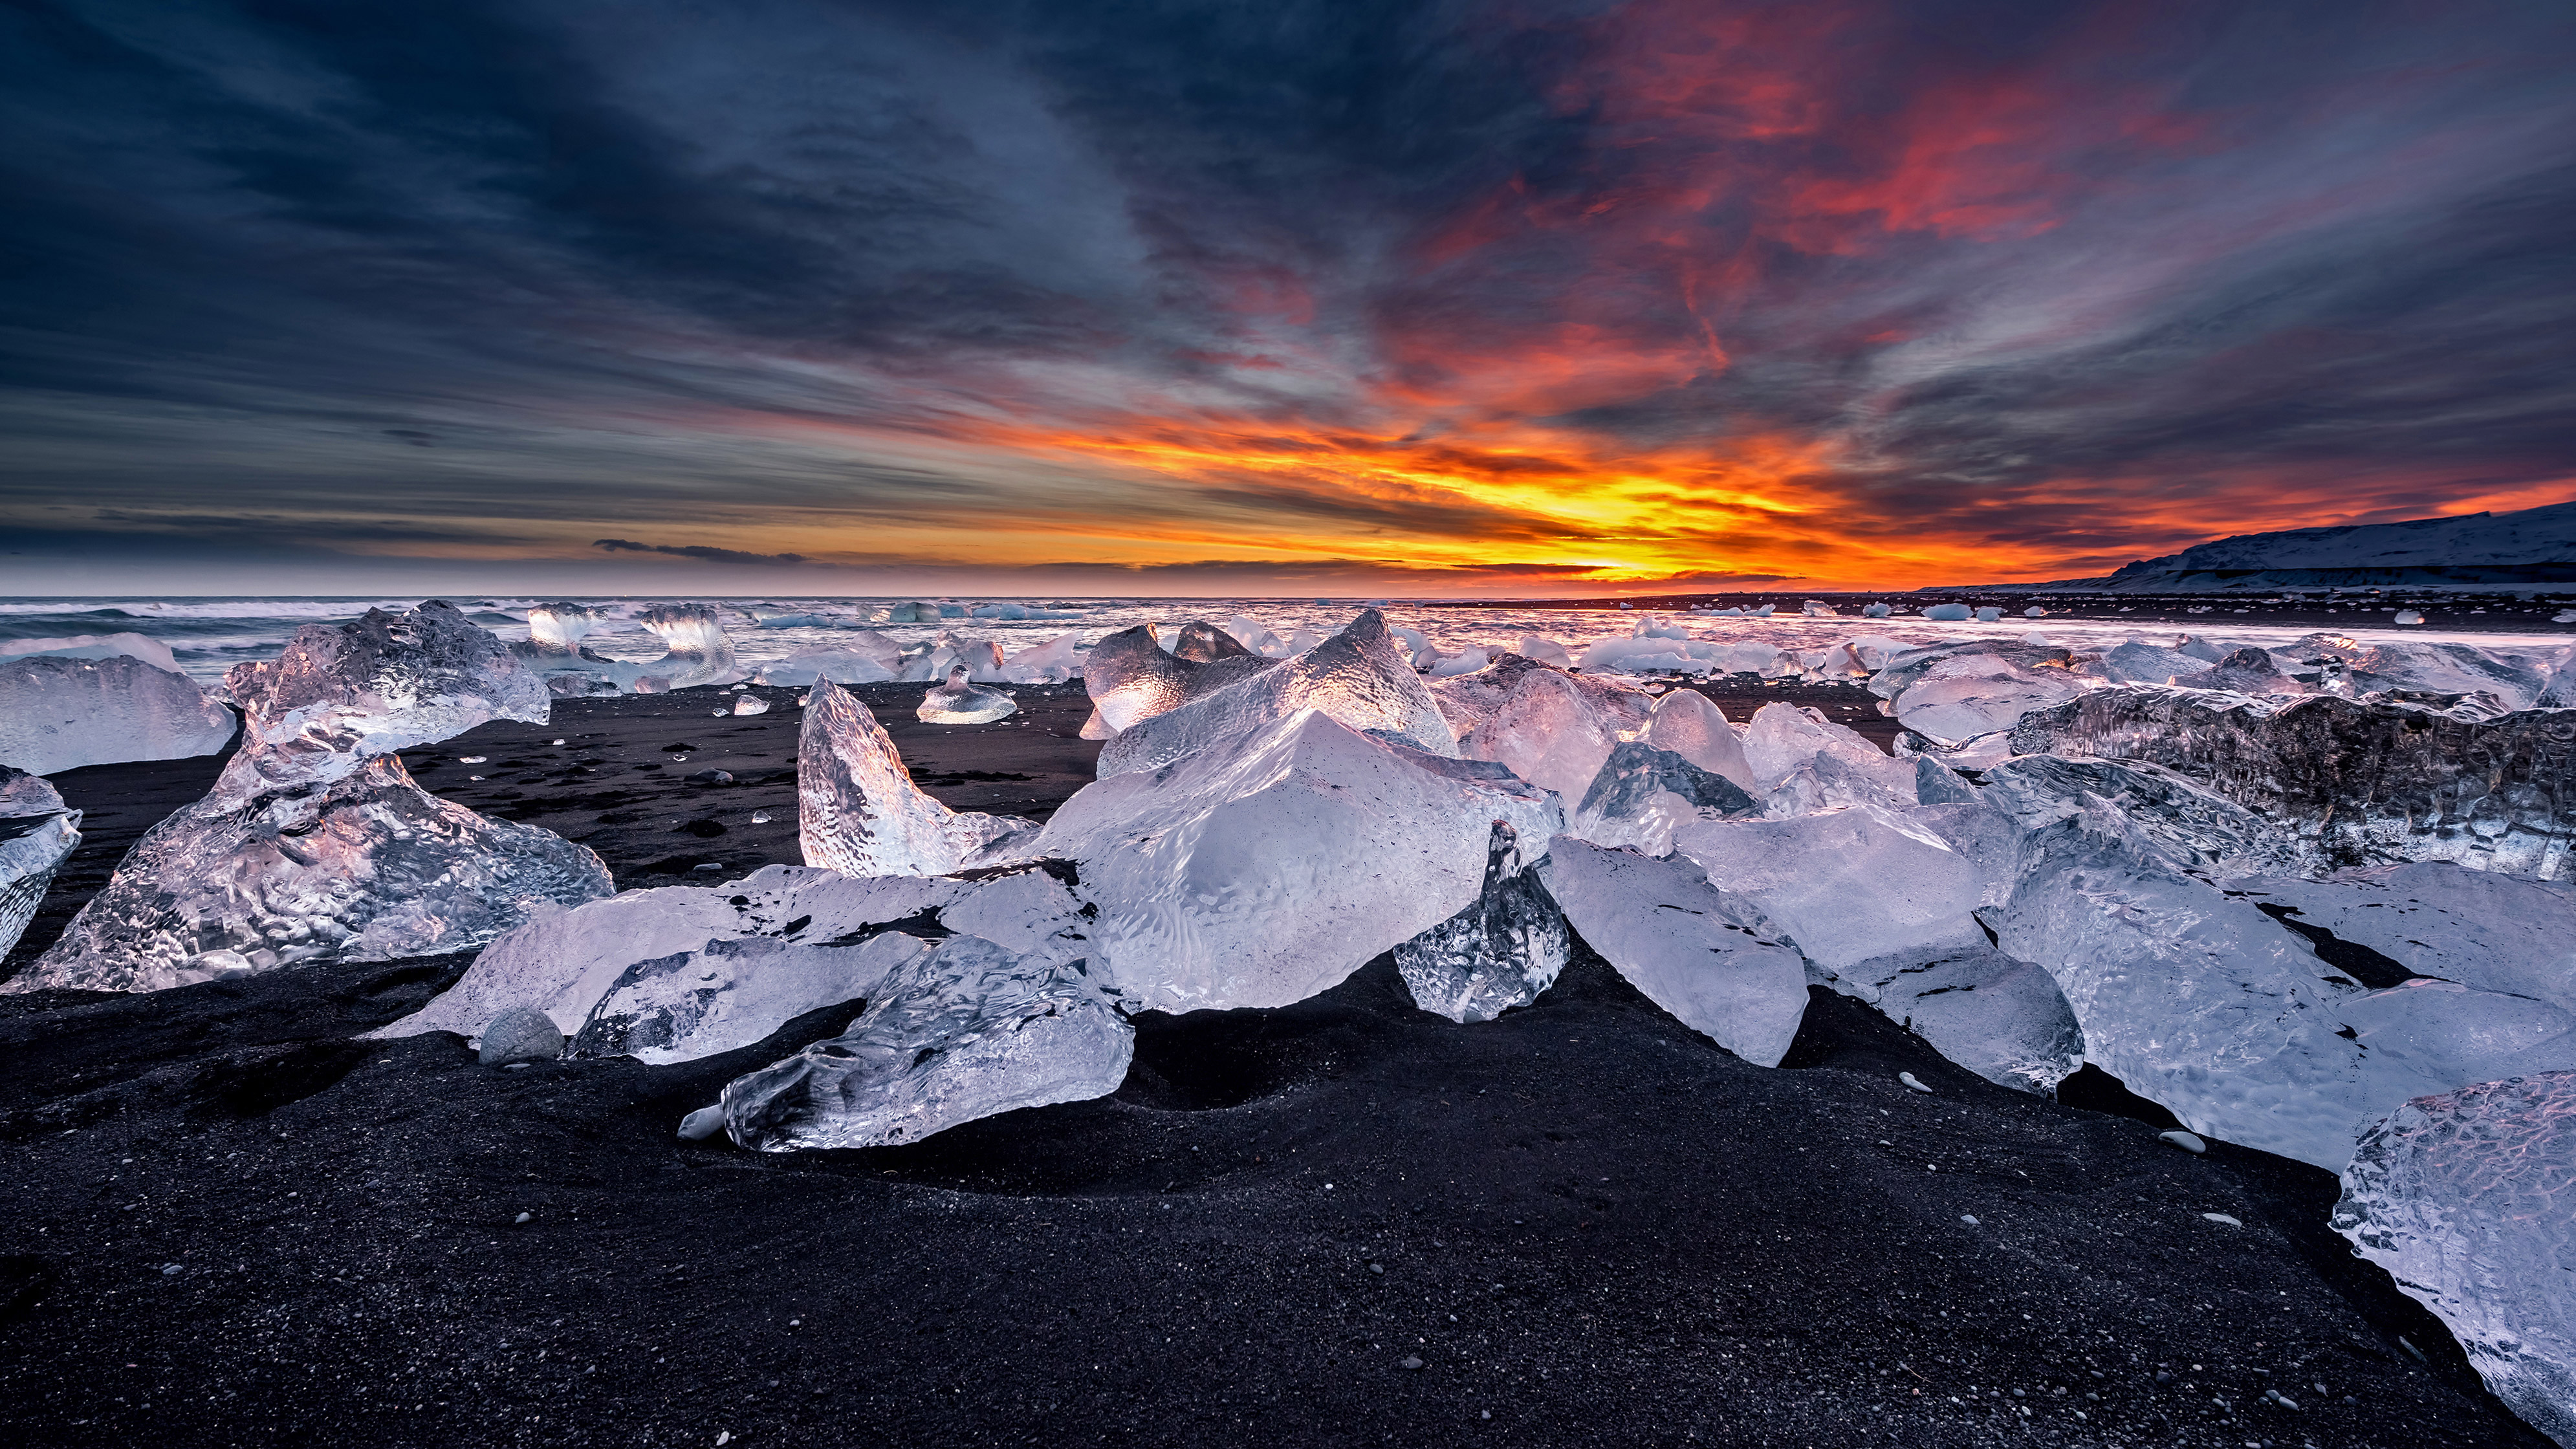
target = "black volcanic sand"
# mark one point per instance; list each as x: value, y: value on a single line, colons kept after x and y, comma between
x: 223, y: 1221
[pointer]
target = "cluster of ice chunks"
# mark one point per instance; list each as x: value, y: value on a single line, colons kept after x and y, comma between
x: 1356, y: 677
x: 964, y: 1030
x: 1131, y: 678
x: 1470, y: 701
x: 685, y: 972
x: 97, y: 646
x: 1707, y: 956
x: 63, y: 711
x: 859, y: 813
x: 1505, y: 948
x: 1962, y: 696
x: 1362, y: 840
x: 37, y: 834
x: 959, y: 702
x: 314, y: 844
x: 2468, y: 1199
x: 2354, y: 783
x: 864, y: 657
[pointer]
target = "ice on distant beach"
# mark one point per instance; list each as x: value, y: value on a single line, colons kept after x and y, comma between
x: 1271, y: 865
x: 1545, y: 651
x: 315, y: 844
x: 1057, y: 660
x: 556, y: 629
x: 61, y: 712
x: 37, y: 834
x: 97, y: 646
x: 1505, y: 948
x: 958, y: 702
x: 2467, y: 1199
x: 1876, y: 611
x: 1465, y: 661
x: 1357, y: 677
x: 2140, y: 663
x: 1705, y: 955
x: 965, y: 1030
x: 1846, y: 886
x: 1946, y: 613
x: 858, y: 811
x: 697, y: 648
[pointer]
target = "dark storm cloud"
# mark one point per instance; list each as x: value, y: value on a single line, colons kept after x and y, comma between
x: 701, y: 552
x: 502, y: 268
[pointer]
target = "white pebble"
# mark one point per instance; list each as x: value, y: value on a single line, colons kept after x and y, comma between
x: 1969, y: 1218
x: 521, y: 1218
x: 702, y: 1124
x: 2223, y: 1218
x: 1908, y: 1079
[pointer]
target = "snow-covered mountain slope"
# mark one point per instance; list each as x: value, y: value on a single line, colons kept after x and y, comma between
x: 2533, y: 546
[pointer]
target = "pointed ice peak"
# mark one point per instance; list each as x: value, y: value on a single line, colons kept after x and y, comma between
x: 1688, y: 724
x: 1131, y: 679
x: 858, y: 811
x: 1467, y: 701
x: 1204, y: 643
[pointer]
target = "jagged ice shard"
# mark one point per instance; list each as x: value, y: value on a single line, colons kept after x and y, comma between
x: 1548, y: 734
x: 965, y: 1030
x: 1504, y: 949
x: 2353, y: 783
x: 858, y: 811
x: 1999, y: 1017
x: 1846, y: 886
x: 2468, y: 1199
x: 60, y: 713
x: 1264, y: 869
x: 1356, y: 677
x: 37, y: 834
x: 1131, y: 679
x: 1686, y: 723
x: 1708, y: 957
x: 314, y: 844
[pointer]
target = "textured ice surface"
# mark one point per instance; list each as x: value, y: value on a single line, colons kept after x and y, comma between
x: 2198, y: 1000
x: 97, y: 646
x: 1132, y: 679
x: 1641, y: 795
x: 958, y: 702
x: 962, y: 1031
x: 60, y: 713
x: 1505, y: 948
x: 2247, y: 671
x: 730, y: 993
x: 1804, y: 762
x: 859, y: 813
x: 2189, y: 825
x: 2140, y: 663
x: 1848, y: 885
x: 1201, y: 642
x: 2487, y: 931
x: 861, y: 656
x: 1688, y: 724
x: 698, y: 650
x: 1356, y: 677
x: 2355, y: 783
x: 1967, y: 695
x: 1469, y: 701
x: 2468, y: 1199
x: 2002, y: 1018
x: 2433, y: 667
x: 314, y: 844
x: 36, y: 835
x: 1548, y: 734
x: 1053, y: 662
x: 1268, y: 869
x: 1707, y: 956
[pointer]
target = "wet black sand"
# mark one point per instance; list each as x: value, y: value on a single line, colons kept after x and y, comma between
x: 1582, y: 1220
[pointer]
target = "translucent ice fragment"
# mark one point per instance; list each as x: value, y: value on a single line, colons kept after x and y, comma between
x: 1845, y: 886
x: 1876, y: 611
x: 343, y: 694
x: 1782, y: 738
x: 698, y: 650
x: 1131, y: 679
x: 1465, y: 661
x: 1470, y: 701
x: 97, y: 646
x: 750, y: 704
x: 1053, y: 662
x: 730, y: 993
x: 1269, y: 867
x: 1204, y: 643
x: 2246, y: 671
x: 59, y: 713
x: 860, y: 656
x: 1968, y: 695
x: 963, y: 1031
x: 2432, y: 667
x: 1505, y: 948
x: 1545, y: 651
x: 1357, y: 677
x: 2002, y: 1018
x: 1548, y: 734
x: 958, y: 702
x: 1946, y: 613
x: 1705, y: 955
x: 858, y: 811
x: 2137, y: 663
x: 2466, y: 1198
x: 1642, y: 795
x: 1686, y: 723
x: 2491, y: 932
x: 2187, y: 824
x: 36, y: 835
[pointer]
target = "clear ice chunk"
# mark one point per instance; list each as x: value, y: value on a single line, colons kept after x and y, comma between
x: 1132, y: 679
x: 2353, y: 783
x: 729, y: 993
x: 1357, y: 677
x: 858, y: 811
x: 1505, y: 948
x: 958, y: 702
x: 97, y: 646
x: 2432, y: 667
x: 1204, y: 643
x: 697, y: 648
x: 2187, y: 824
x: 1269, y: 867
x: 1968, y: 695
x: 314, y: 844
x: 2491, y: 932
x: 1687, y: 723
x: 37, y: 834
x: 861, y: 656
x: 2140, y: 663
x: 60, y: 713
x: 1781, y: 738
x: 1845, y: 886
x: 2467, y: 1199
x: 1053, y: 662
x: 1707, y: 956
x: 1548, y: 734
x: 1642, y: 795
x: 1999, y: 1017
x: 1470, y: 701
x: 2247, y: 671
x: 965, y: 1030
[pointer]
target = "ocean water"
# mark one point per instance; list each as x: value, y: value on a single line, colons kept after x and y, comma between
x: 210, y: 635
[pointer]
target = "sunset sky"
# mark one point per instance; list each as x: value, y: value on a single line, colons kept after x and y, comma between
x: 1534, y: 298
